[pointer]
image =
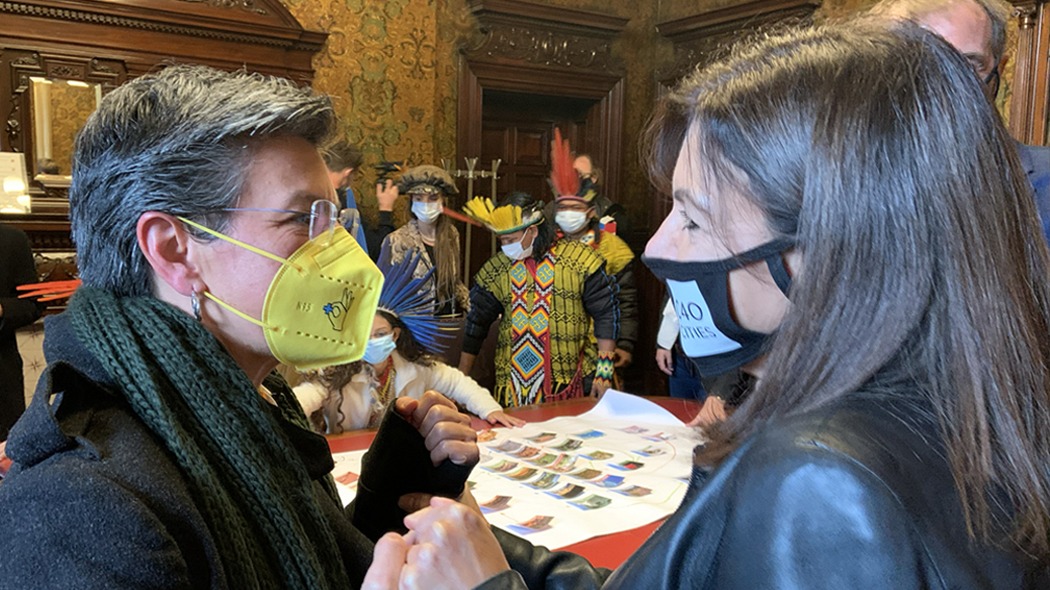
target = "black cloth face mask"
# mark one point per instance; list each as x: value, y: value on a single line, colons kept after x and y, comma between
x: 710, y: 336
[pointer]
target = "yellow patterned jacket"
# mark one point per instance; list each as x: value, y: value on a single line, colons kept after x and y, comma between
x: 619, y: 263
x: 582, y: 292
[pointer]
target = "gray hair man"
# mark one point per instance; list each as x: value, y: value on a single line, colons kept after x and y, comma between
x: 977, y: 29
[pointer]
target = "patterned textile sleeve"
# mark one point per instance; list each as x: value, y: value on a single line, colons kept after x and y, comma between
x: 462, y: 297
x: 619, y: 262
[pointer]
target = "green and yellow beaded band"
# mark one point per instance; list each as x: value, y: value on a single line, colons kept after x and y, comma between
x: 603, y: 367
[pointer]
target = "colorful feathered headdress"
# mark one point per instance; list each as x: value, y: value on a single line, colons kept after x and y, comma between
x: 501, y: 220
x: 411, y: 300
x: 564, y: 179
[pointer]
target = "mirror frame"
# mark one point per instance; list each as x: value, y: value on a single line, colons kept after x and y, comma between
x: 44, y: 118
x: 17, y: 66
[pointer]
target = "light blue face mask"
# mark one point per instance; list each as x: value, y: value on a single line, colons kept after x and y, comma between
x: 379, y: 349
x: 426, y: 212
x: 515, y: 251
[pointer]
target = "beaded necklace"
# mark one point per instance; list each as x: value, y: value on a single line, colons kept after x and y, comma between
x: 386, y: 382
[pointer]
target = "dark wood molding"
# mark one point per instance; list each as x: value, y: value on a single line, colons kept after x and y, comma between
x: 260, y: 35
x: 551, y: 17
x: 17, y: 66
x: 536, y: 48
x: 523, y: 32
x: 700, y: 37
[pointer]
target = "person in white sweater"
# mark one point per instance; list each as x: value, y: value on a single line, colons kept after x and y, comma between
x: 352, y: 396
x: 399, y: 361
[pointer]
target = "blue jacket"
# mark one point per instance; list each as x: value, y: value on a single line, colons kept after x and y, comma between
x: 1036, y: 162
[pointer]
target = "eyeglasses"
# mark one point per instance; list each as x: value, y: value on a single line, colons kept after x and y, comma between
x: 322, y: 219
x: 991, y: 82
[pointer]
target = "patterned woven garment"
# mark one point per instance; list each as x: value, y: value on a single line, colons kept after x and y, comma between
x: 544, y: 343
x: 530, y: 328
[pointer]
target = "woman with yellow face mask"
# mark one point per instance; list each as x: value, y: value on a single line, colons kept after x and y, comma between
x: 161, y: 448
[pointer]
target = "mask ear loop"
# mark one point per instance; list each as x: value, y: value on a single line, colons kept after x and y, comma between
x: 779, y: 271
x: 248, y: 247
x: 237, y: 242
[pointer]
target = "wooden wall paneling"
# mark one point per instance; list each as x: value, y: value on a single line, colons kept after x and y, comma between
x: 109, y: 41
x: 527, y: 48
x: 1029, y: 97
x: 258, y: 34
x: 699, y: 38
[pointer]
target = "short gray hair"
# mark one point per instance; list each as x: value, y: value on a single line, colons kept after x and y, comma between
x: 178, y: 141
x: 998, y: 12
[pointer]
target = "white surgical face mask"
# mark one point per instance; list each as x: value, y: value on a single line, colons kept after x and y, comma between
x: 515, y: 251
x: 379, y: 349
x: 571, y: 222
x: 426, y: 212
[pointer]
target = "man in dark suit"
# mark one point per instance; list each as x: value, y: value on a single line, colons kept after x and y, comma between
x: 16, y: 268
x: 977, y: 28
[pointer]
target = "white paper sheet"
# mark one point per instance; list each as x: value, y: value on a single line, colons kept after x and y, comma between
x: 623, y: 464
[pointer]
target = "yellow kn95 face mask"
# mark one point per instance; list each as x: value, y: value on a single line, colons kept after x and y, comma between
x: 320, y: 305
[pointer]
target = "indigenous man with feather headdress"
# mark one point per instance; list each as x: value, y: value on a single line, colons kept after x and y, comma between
x: 553, y: 297
x: 577, y: 221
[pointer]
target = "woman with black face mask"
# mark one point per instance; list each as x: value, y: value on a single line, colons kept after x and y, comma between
x: 896, y: 433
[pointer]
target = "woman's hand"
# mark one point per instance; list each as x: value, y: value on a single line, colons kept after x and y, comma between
x: 452, y: 547
x: 663, y: 360
x: 388, y: 560
x: 500, y: 418
x: 621, y: 358
x: 713, y: 411
x: 446, y: 431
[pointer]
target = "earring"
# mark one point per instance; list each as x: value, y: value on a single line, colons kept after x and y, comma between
x: 195, y: 304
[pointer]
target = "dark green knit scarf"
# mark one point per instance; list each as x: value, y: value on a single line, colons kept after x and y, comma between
x: 254, y: 493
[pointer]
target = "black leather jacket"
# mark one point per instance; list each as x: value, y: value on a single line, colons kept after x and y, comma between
x: 854, y: 496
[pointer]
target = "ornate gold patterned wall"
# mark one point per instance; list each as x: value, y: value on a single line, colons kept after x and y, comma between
x: 391, y: 66
x: 70, y: 108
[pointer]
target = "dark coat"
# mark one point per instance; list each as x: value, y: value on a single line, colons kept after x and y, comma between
x: 858, y: 495
x: 94, y: 500
x: 16, y: 268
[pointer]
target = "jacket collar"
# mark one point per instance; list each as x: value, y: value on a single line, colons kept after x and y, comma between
x: 62, y: 345
x: 406, y: 372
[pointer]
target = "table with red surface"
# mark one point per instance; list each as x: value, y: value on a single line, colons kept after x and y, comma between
x: 603, y: 551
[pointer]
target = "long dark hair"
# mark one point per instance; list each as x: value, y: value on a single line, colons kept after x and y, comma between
x: 872, y: 147
x: 446, y: 255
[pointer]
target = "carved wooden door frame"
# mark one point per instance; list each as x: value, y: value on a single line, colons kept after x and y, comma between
x: 539, y: 49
